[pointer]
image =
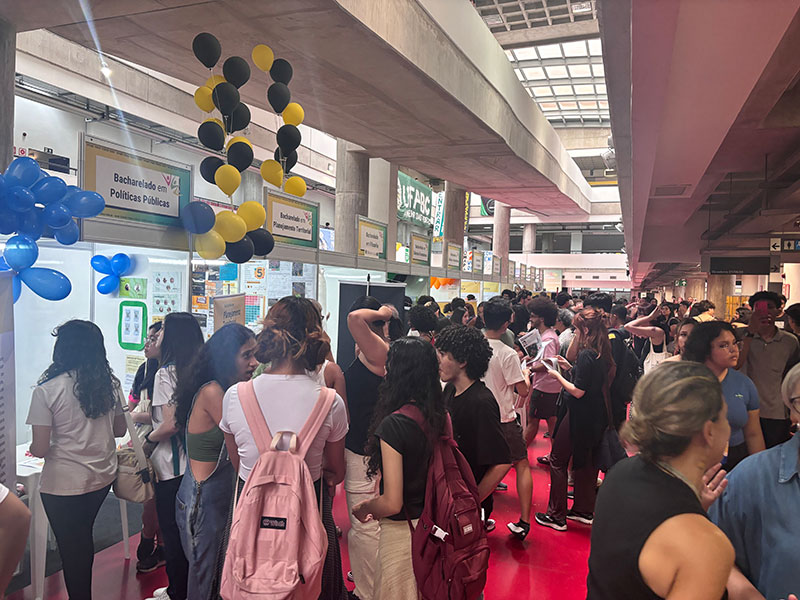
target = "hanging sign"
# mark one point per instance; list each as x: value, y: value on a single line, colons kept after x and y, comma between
x: 496, y: 264
x: 293, y: 221
x: 488, y: 269
x: 453, y: 256
x: 371, y: 238
x: 414, y: 200
x: 438, y: 214
x: 477, y: 261
x: 420, y: 250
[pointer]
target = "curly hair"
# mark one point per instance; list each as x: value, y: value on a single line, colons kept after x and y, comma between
x: 467, y: 345
x: 698, y: 345
x: 545, y: 309
x: 412, y: 376
x: 216, y: 361
x: 293, y: 331
x: 79, y: 349
x: 422, y: 318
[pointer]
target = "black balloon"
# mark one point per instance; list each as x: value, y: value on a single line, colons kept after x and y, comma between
x: 263, y: 242
x: 207, y: 49
x: 211, y: 135
x: 241, y: 251
x: 240, y: 155
x: 288, y: 138
x: 225, y: 97
x: 209, y: 166
x: 281, y: 71
x: 279, y: 97
x: 236, y: 71
x: 238, y: 119
x: 291, y: 159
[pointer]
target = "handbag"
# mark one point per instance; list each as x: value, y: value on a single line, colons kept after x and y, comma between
x: 135, y: 474
x: 610, y: 451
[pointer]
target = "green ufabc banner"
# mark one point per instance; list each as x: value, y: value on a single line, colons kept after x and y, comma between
x: 414, y: 200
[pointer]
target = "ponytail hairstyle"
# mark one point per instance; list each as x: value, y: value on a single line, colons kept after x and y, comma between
x: 79, y: 349
x: 293, y: 331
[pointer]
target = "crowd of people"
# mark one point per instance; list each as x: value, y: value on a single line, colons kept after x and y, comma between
x: 705, y: 506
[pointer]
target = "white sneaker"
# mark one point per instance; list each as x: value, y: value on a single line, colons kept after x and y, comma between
x: 160, y: 594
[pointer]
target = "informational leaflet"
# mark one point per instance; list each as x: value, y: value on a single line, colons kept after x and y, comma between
x: 132, y: 364
x: 166, y: 292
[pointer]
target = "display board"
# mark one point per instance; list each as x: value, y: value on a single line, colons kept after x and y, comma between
x: 228, y: 309
x: 8, y: 438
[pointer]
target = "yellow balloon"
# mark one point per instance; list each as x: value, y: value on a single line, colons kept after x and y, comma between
x: 202, y: 97
x: 214, y: 81
x: 230, y: 226
x: 228, y: 179
x: 253, y: 214
x: 238, y: 138
x: 296, y: 186
x: 217, y: 121
x: 293, y: 114
x: 210, y: 245
x: 263, y: 56
x: 272, y: 172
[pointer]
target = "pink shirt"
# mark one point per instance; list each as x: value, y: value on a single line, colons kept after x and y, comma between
x: 544, y: 382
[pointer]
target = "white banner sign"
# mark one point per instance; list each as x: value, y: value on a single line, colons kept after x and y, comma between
x: 453, y: 256
x: 420, y: 250
x: 477, y: 261
x: 133, y: 187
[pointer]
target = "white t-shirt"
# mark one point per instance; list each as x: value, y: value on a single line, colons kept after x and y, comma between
x: 169, y: 457
x: 286, y: 402
x: 3, y: 492
x: 82, y: 456
x: 503, y: 374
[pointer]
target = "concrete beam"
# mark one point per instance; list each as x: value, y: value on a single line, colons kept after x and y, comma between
x: 566, y: 32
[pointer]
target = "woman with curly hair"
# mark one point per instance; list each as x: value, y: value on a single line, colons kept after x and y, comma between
x: 293, y: 343
x: 397, y: 448
x: 205, y: 498
x: 76, y: 412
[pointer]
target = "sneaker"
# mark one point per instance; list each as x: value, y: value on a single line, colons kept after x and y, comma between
x: 543, y: 460
x: 570, y: 494
x: 585, y: 518
x: 520, y: 529
x: 350, y: 577
x: 546, y: 434
x: 502, y: 487
x: 152, y: 562
x: 546, y: 520
x: 160, y: 594
x: 146, y: 547
x: 489, y: 525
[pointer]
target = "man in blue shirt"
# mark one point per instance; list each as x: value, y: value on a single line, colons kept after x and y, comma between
x: 760, y: 510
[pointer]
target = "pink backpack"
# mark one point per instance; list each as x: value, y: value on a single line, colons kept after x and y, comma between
x: 278, y: 543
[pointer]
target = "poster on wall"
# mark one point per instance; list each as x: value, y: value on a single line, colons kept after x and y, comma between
x: 228, y: 309
x: 371, y: 237
x: 166, y: 293
x: 470, y: 287
x: 497, y: 264
x: 136, y: 186
x: 453, y: 256
x: 552, y: 280
x: 8, y: 401
x: 414, y: 201
x: 288, y: 278
x: 420, y: 250
x: 477, y: 261
x: 293, y: 221
x: 132, y: 325
x: 488, y: 269
x: 133, y: 287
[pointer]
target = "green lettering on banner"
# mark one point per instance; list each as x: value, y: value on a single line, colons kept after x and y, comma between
x: 414, y: 200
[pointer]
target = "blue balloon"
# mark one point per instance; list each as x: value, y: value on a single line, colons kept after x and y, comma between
x: 102, y: 264
x: 21, y: 252
x: 120, y: 264
x: 23, y: 171
x: 47, y: 283
x: 16, y: 287
x: 9, y: 221
x: 85, y: 205
x: 68, y: 235
x: 49, y: 189
x: 31, y: 223
x: 198, y: 217
x: 56, y: 215
x: 3, y: 264
x: 20, y: 199
x: 108, y: 284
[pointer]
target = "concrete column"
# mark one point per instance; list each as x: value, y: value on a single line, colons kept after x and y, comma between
x: 719, y: 288
x: 501, y: 234
x: 575, y: 242
x: 383, y: 199
x: 750, y: 284
x: 455, y: 206
x: 8, y: 51
x: 547, y: 243
x: 529, y: 238
x: 352, y: 194
x: 696, y: 288
x: 251, y: 188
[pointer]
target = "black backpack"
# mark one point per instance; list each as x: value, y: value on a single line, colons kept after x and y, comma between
x: 629, y: 368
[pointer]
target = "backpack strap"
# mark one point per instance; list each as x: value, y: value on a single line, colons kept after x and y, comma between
x: 413, y: 412
x: 316, y: 419
x: 253, y: 414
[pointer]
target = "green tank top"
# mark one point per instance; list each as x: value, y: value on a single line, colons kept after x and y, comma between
x: 206, y: 446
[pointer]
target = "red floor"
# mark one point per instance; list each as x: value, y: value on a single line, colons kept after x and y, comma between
x: 548, y: 565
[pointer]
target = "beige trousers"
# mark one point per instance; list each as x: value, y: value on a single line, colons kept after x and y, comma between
x: 362, y: 539
x: 395, y: 579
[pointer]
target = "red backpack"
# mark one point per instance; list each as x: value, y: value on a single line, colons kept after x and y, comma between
x: 449, y: 548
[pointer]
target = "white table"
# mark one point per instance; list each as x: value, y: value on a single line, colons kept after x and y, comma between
x: 29, y: 472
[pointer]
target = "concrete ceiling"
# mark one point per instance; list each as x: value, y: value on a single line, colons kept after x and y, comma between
x: 386, y: 76
x: 702, y: 94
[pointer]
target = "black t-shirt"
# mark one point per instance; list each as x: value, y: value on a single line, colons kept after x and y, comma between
x: 587, y: 415
x: 362, y: 396
x: 476, y: 427
x: 404, y: 435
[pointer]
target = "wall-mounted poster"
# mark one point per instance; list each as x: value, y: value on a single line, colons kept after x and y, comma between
x: 453, y: 256
x: 420, y: 250
x: 293, y: 221
x: 371, y: 237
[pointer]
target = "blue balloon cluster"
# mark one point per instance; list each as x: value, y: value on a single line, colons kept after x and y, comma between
x: 113, y: 268
x: 33, y: 204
